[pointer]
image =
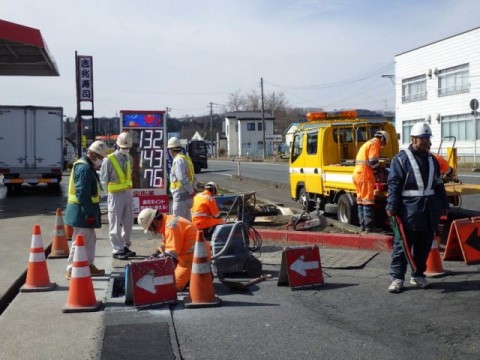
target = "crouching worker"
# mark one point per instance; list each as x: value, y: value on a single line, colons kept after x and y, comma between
x: 179, y: 236
x: 205, y: 213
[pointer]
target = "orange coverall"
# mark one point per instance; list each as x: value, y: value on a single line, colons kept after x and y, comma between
x: 179, y: 237
x: 205, y: 210
x: 364, y: 180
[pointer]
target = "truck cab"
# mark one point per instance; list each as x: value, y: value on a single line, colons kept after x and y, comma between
x: 322, y: 160
x: 198, y: 152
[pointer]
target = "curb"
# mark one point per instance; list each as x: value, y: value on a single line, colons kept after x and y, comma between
x: 378, y: 242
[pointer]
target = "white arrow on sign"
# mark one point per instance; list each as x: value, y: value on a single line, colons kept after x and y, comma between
x: 149, y: 281
x: 300, y: 266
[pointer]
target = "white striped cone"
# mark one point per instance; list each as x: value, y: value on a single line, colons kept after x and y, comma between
x: 37, y: 273
x: 81, y: 296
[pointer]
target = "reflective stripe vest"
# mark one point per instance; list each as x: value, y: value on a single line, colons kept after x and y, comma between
x: 422, y: 189
x: 124, y: 182
x: 174, y: 185
x: 72, y: 197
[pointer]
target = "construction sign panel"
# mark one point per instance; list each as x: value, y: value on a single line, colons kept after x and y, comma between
x: 153, y: 282
x: 301, y: 267
x: 464, y: 241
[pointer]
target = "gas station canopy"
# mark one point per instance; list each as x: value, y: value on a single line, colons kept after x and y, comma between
x: 24, y: 52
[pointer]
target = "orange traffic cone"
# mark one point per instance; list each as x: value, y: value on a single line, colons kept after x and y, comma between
x: 68, y: 232
x: 434, y: 262
x: 59, y: 240
x: 201, y: 293
x: 81, y: 297
x: 37, y: 273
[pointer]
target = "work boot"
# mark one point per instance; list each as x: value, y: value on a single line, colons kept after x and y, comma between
x: 94, y: 271
x: 68, y: 274
x: 128, y: 252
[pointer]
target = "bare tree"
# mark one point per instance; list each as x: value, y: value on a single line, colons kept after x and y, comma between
x: 236, y: 101
x: 275, y: 102
x: 253, y: 101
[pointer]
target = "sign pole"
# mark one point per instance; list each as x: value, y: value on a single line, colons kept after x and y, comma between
x: 474, y: 106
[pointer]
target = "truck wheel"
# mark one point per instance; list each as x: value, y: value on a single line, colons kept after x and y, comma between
x: 9, y: 189
x: 346, y: 212
x: 304, y: 200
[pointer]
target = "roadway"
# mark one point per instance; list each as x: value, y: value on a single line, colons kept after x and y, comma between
x: 351, y: 316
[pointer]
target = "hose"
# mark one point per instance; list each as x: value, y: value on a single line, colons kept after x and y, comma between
x: 251, y: 234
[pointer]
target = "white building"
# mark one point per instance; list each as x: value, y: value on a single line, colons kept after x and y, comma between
x: 244, y: 131
x: 435, y: 83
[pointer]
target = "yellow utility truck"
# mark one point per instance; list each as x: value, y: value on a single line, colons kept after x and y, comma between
x: 322, y: 159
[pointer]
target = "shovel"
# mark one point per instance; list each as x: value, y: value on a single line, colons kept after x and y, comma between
x: 243, y: 286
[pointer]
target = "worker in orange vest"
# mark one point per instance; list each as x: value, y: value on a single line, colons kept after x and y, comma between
x: 366, y: 166
x: 179, y: 237
x: 205, y: 213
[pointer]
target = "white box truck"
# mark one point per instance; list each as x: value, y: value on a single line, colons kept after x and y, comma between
x: 31, y: 146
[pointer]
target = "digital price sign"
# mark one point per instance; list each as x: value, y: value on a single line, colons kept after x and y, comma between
x: 148, y: 130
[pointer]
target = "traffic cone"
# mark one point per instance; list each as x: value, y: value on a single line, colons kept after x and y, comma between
x: 201, y: 292
x: 59, y: 240
x: 68, y: 232
x: 37, y: 273
x: 81, y: 297
x: 434, y: 262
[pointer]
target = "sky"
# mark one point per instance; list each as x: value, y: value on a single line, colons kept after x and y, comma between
x: 185, y: 54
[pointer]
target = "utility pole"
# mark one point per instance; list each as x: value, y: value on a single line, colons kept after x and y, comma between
x: 211, y: 127
x: 263, y: 122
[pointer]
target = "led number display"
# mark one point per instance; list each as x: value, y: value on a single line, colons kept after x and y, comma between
x: 148, y: 158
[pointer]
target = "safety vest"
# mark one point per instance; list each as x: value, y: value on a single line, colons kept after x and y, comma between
x: 422, y: 190
x: 190, y: 173
x: 72, y: 197
x: 124, y: 182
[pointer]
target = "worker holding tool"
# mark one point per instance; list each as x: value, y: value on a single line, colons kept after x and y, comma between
x: 182, y: 180
x: 366, y: 166
x: 179, y: 236
x: 205, y: 213
x: 416, y: 200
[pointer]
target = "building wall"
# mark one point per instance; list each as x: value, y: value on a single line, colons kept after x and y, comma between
x: 244, y: 142
x: 447, y: 53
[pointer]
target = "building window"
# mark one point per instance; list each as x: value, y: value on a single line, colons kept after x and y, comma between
x: 414, y: 89
x: 259, y: 126
x: 407, y: 129
x: 460, y: 126
x: 250, y: 126
x: 453, y: 80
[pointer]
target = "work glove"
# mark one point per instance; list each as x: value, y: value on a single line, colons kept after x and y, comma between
x: 90, y: 220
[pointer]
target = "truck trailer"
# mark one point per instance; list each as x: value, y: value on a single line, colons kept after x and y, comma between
x: 31, y: 146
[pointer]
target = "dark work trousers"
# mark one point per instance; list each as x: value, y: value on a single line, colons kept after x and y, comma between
x: 420, y: 244
x: 369, y: 216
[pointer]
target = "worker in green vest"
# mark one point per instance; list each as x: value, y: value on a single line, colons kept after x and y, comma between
x: 83, y: 203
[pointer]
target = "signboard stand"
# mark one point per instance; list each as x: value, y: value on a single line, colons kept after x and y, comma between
x: 464, y: 241
x: 151, y: 283
x: 301, y: 267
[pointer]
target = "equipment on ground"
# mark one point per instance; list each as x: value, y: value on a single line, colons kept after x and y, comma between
x: 233, y: 245
x: 311, y: 221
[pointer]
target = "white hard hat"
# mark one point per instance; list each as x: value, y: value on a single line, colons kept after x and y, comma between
x: 99, y: 147
x: 421, y: 129
x: 384, y: 134
x: 146, y: 217
x: 174, y: 143
x: 211, y: 186
x: 124, y: 140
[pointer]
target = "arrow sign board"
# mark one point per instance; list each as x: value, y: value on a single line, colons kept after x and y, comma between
x: 301, y: 267
x: 153, y: 282
x: 464, y: 241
